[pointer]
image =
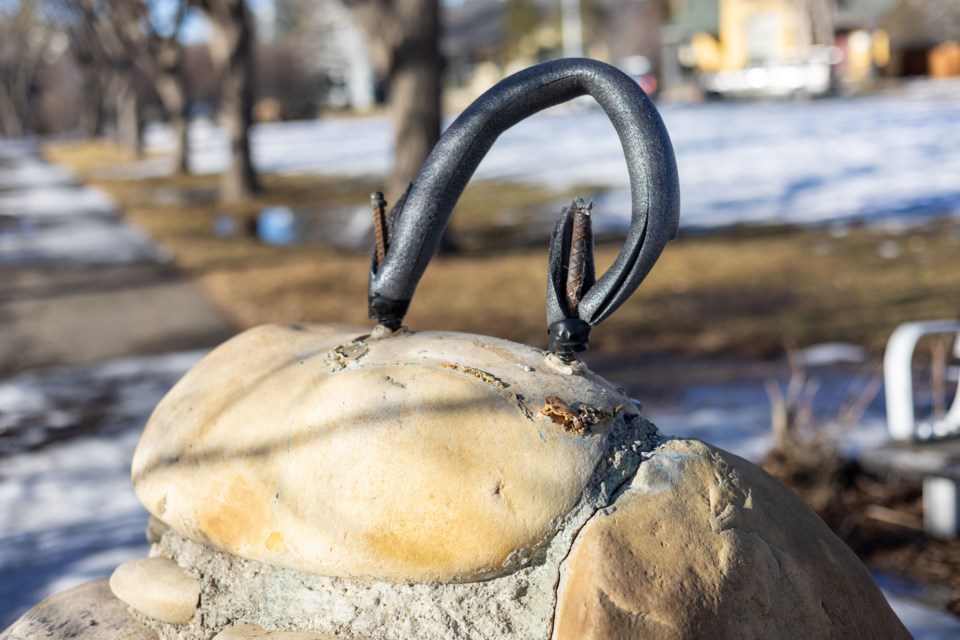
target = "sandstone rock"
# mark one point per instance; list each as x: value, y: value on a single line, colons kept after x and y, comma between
x: 703, y: 544
x: 255, y: 632
x: 155, y: 529
x: 158, y: 588
x: 420, y: 457
x: 87, y: 612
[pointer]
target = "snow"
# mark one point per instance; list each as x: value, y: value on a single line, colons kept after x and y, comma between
x: 69, y: 515
x: 55, y: 201
x: 75, y: 240
x: 735, y: 415
x: 832, y: 353
x: 67, y: 510
x: 874, y: 158
x: 48, y: 218
x: 923, y: 622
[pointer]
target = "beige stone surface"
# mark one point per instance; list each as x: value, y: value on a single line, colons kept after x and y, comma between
x: 158, y: 588
x: 87, y: 612
x: 706, y: 545
x: 256, y: 632
x: 420, y: 457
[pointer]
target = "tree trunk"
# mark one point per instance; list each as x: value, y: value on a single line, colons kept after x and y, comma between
x: 181, y: 128
x: 10, y: 124
x: 414, y: 90
x: 173, y: 93
x: 91, y: 101
x: 404, y: 42
x: 231, y: 47
x: 129, y: 128
x: 239, y: 180
x: 416, y: 122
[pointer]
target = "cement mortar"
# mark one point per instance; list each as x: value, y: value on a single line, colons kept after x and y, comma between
x: 520, y: 604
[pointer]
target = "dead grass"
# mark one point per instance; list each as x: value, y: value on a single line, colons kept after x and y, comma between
x: 740, y: 292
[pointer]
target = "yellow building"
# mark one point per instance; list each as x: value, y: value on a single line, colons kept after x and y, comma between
x: 778, y: 47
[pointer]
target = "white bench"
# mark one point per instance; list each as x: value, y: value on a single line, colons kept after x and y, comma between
x: 898, y: 381
x: 928, y: 449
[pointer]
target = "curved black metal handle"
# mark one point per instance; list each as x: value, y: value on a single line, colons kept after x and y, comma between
x: 419, y: 218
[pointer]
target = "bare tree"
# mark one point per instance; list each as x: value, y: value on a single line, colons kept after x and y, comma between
x: 122, y: 39
x: 299, y: 66
x: 101, y: 27
x: 158, y: 55
x: 404, y: 38
x: 231, y: 49
x: 820, y: 14
x: 96, y: 73
x: 943, y: 18
x: 25, y: 36
x: 97, y: 30
x: 170, y: 84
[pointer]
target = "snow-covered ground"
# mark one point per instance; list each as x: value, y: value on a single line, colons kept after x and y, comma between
x: 880, y: 157
x: 30, y: 186
x: 67, y: 510
x: 46, y: 217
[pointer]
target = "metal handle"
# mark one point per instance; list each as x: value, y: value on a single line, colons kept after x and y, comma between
x: 419, y: 218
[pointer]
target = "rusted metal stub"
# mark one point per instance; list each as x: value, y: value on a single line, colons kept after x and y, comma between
x: 380, y: 234
x: 572, y: 274
x: 580, y: 270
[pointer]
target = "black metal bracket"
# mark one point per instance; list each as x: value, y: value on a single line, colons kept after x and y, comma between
x: 417, y: 221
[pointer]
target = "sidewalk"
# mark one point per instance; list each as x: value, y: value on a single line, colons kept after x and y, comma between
x: 94, y: 321
x: 78, y: 285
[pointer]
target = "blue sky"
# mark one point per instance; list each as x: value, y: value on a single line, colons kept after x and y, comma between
x: 194, y: 28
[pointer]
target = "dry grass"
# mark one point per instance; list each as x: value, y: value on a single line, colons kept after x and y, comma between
x: 741, y: 292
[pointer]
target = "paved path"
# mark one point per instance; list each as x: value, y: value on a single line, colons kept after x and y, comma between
x: 77, y: 283
x: 94, y: 324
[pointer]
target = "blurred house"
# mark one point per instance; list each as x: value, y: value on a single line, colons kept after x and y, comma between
x: 473, y: 44
x: 312, y: 56
x: 344, y: 57
x: 924, y: 37
x: 485, y: 40
x: 790, y: 47
x: 723, y: 47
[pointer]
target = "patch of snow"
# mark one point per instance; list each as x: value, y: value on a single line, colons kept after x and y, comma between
x: 34, y: 406
x: 56, y: 202
x: 76, y: 240
x: 67, y: 510
x: 68, y: 514
x: 22, y: 168
x: 820, y: 355
x: 872, y: 158
x: 49, y: 219
x: 744, y: 432
x: 31, y: 173
x: 923, y: 622
x: 736, y: 415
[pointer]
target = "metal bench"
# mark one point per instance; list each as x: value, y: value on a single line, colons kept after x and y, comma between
x: 924, y: 449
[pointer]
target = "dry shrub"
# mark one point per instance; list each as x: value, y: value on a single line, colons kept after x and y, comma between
x: 806, y: 447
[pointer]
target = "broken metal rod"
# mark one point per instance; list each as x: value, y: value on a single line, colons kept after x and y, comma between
x: 381, y: 238
x: 580, y: 261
